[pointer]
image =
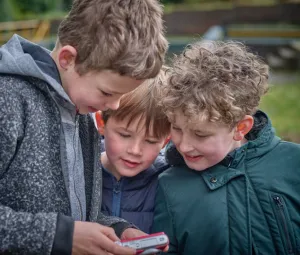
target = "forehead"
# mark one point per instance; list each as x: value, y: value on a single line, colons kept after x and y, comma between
x: 196, y: 123
x: 136, y: 125
x: 113, y: 82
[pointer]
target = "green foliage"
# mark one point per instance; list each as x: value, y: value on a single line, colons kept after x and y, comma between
x: 33, y: 6
x: 28, y: 9
x: 282, y: 105
x: 172, y: 1
x: 6, y: 12
x: 66, y: 5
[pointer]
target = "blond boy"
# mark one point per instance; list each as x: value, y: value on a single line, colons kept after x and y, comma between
x: 50, y: 181
x: 233, y: 190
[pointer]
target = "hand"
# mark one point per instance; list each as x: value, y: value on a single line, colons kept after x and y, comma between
x: 92, y: 238
x: 129, y: 233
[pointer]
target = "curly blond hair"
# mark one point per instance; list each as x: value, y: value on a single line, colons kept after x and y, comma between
x: 125, y: 36
x: 142, y: 104
x: 215, y: 81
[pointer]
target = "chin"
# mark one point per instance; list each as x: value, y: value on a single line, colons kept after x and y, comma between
x: 199, y: 169
x: 196, y: 168
x: 130, y: 174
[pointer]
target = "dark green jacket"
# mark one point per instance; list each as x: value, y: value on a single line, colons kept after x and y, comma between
x: 247, y: 204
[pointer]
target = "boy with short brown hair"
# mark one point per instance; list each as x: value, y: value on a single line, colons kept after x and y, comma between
x: 125, y: 37
x: 231, y: 189
x: 134, y: 134
x: 50, y: 181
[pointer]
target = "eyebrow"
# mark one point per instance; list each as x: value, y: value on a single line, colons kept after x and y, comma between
x: 205, y: 131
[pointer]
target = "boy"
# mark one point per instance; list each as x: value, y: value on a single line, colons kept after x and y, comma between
x: 50, y: 181
x: 237, y: 189
x: 134, y: 136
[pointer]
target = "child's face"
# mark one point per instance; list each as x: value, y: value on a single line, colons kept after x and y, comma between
x: 202, y: 144
x: 129, y: 150
x: 97, y: 91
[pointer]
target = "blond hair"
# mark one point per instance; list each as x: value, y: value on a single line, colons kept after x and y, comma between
x: 215, y: 81
x: 125, y: 36
x: 142, y: 104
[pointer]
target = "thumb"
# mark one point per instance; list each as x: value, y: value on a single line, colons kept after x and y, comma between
x: 110, y: 233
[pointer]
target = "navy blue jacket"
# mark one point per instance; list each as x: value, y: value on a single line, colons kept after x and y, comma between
x: 132, y: 198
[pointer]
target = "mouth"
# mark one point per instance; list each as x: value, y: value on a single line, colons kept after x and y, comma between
x: 92, y: 109
x: 193, y: 158
x: 130, y: 164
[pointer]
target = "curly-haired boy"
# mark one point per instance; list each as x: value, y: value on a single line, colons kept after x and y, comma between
x: 233, y: 187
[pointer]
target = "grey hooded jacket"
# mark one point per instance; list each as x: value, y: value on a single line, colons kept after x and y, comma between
x: 50, y: 173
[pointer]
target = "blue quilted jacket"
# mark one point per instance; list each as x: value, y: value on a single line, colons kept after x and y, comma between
x: 132, y: 198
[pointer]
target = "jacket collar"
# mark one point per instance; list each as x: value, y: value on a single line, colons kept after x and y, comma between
x: 261, y: 140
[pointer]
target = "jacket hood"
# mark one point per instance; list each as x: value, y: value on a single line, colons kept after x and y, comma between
x: 22, y: 57
x: 261, y: 139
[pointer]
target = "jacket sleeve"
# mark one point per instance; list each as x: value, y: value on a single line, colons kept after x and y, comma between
x: 22, y: 232
x: 26, y: 233
x: 163, y: 219
x: 118, y: 224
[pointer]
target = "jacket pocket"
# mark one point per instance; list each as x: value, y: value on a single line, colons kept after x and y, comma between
x: 283, y: 222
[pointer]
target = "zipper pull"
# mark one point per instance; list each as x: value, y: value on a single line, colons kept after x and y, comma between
x: 117, y: 187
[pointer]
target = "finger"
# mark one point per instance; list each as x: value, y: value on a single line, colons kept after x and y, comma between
x: 166, y: 249
x: 110, y: 233
x: 102, y: 252
x: 108, y: 245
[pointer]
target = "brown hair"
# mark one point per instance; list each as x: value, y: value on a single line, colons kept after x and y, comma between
x: 125, y: 36
x: 142, y: 103
x: 215, y: 81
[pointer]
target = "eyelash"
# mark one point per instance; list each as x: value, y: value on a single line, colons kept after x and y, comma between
x: 201, y: 136
x: 106, y: 94
x: 176, y: 129
x: 151, y: 142
x: 128, y: 136
x: 124, y: 135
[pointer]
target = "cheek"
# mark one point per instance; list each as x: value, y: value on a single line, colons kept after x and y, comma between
x: 175, y: 137
x: 151, y: 153
x: 81, y: 96
x: 217, y: 149
x: 113, y: 146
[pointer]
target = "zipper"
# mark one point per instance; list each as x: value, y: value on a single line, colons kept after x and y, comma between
x: 280, y: 206
x: 116, y: 206
x: 74, y: 165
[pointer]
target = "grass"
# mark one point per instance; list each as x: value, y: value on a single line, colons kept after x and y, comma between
x: 194, y: 5
x: 282, y: 104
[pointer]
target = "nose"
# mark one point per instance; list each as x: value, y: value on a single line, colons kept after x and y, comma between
x: 135, y: 148
x: 185, y: 144
x: 114, y: 105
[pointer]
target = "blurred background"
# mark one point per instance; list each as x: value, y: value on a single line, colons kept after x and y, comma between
x: 270, y: 28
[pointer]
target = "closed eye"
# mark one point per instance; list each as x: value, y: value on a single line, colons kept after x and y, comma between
x: 176, y: 128
x: 106, y: 94
x: 124, y: 135
x: 201, y: 135
x: 151, y: 142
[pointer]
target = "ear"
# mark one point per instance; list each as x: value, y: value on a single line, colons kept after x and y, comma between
x: 100, y: 122
x: 67, y: 56
x: 166, y: 141
x: 243, y: 127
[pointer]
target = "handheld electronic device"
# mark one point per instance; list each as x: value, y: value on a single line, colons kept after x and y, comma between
x: 149, y: 244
